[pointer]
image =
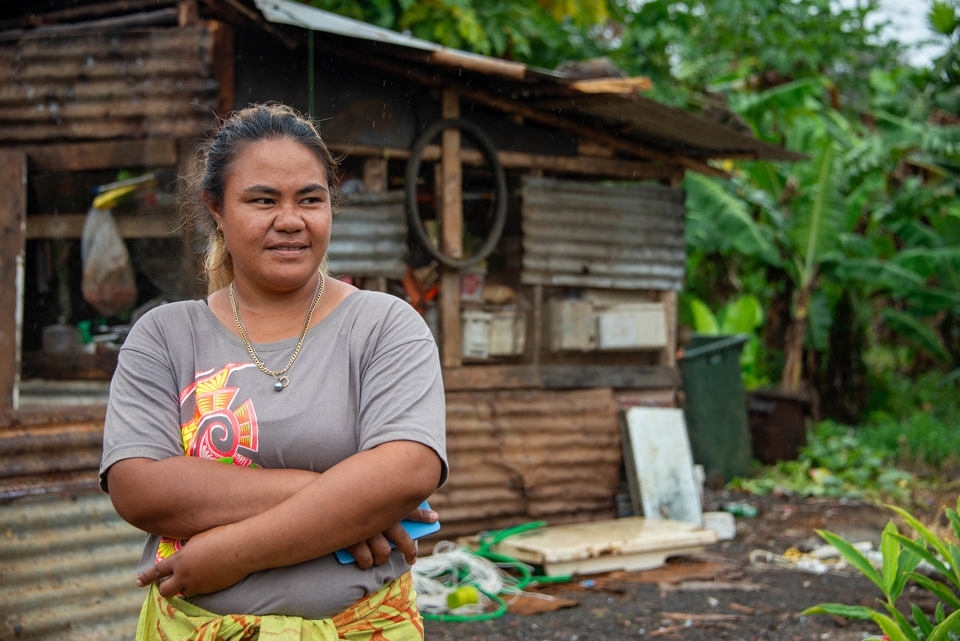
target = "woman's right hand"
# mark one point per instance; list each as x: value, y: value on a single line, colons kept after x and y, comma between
x: 376, y: 550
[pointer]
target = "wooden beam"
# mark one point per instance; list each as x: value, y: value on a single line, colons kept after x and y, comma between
x: 589, y: 165
x: 87, y: 12
x: 184, y: 91
x: 119, y: 107
x: 483, y: 64
x: 451, y: 234
x: 84, y: 156
x: 612, y: 85
x: 160, y: 17
x: 618, y: 377
x: 71, y: 226
x: 478, y: 377
x: 13, y: 209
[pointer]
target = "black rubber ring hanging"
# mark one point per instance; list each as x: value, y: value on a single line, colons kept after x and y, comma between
x: 498, y: 207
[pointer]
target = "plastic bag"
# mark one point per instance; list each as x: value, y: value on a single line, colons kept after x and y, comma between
x: 108, y: 280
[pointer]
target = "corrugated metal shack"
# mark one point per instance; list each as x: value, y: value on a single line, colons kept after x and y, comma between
x: 569, y: 318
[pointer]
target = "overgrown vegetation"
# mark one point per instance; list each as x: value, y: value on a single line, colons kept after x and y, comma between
x: 854, y: 254
x: 908, y: 444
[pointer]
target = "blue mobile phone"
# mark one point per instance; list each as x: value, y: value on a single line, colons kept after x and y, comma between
x: 415, y: 529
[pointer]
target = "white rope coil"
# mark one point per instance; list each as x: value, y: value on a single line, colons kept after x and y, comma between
x: 451, y: 568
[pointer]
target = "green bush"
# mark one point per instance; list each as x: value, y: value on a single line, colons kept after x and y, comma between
x: 918, y: 418
x: 836, y: 462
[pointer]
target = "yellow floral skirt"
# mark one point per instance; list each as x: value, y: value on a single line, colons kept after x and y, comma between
x: 389, y: 614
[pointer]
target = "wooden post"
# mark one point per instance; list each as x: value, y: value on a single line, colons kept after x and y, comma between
x: 668, y: 356
x: 223, y: 64
x: 188, y: 14
x: 537, y: 330
x: 451, y: 234
x: 13, y: 204
x: 375, y: 174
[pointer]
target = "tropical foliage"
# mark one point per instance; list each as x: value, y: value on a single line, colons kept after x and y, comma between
x: 853, y: 254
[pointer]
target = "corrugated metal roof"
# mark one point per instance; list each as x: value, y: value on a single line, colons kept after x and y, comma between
x: 666, y: 127
x: 592, y: 235
x: 307, y: 17
x: 369, y: 236
x: 627, y: 114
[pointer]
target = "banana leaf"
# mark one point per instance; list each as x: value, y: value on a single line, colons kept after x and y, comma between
x: 911, y: 329
x: 718, y: 221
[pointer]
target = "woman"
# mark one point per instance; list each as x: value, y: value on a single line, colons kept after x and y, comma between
x: 285, y: 417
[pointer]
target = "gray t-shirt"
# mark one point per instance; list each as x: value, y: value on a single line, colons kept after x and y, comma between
x: 368, y: 373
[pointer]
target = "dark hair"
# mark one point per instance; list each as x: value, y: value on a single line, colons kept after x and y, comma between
x: 252, y: 124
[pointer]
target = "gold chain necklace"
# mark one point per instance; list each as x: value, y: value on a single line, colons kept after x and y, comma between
x: 282, y: 380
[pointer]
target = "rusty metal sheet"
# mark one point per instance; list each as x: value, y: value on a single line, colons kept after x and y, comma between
x: 517, y: 456
x: 582, y: 234
x: 67, y: 569
x: 49, y: 450
x: 66, y: 558
x: 133, y: 84
x: 369, y: 236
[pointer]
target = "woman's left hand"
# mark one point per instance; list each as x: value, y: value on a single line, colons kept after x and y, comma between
x: 204, y: 564
x: 376, y: 550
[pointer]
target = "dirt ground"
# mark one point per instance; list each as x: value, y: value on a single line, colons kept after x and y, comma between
x: 745, y: 589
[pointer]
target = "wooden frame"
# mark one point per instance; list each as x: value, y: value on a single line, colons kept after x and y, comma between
x: 13, y: 208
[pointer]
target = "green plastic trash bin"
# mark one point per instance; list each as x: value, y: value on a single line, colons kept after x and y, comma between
x: 715, y: 406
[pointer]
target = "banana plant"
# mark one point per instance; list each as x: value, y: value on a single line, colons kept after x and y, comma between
x: 794, y: 219
x: 887, y: 243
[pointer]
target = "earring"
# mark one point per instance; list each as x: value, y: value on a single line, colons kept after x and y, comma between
x: 219, y: 234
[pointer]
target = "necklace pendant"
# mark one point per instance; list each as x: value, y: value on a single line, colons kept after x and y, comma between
x: 282, y: 381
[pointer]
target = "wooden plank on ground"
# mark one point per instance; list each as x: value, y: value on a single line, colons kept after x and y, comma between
x: 663, y: 464
x: 632, y: 543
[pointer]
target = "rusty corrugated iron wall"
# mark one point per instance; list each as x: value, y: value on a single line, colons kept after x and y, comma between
x: 582, y: 234
x: 44, y: 451
x: 137, y: 83
x: 67, y: 559
x: 67, y: 569
x: 519, y: 456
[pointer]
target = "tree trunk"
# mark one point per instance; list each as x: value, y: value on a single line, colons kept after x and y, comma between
x: 793, y: 343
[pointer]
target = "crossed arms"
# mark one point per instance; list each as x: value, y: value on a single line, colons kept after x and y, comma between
x: 294, y: 515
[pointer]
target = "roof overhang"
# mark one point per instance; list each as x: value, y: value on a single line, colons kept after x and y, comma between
x: 689, y: 139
